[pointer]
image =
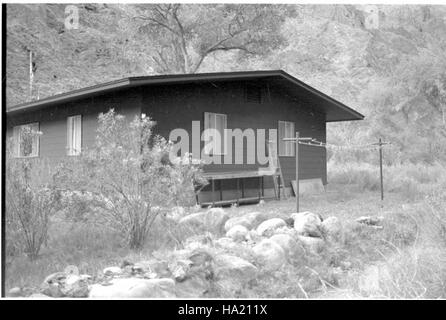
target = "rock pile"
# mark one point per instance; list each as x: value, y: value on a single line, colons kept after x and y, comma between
x: 224, y: 258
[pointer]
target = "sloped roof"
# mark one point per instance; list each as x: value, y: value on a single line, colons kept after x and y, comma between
x: 333, y: 109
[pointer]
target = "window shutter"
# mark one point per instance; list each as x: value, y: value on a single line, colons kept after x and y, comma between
x: 35, y: 141
x: 217, y: 122
x: 77, y: 134
x: 74, y: 135
x: 286, y: 130
x: 70, y: 136
x: 290, y: 134
x: 282, y: 145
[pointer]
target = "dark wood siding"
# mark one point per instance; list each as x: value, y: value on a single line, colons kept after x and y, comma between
x: 53, y: 120
x: 177, y: 106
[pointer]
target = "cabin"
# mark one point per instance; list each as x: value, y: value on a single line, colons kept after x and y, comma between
x: 272, y: 105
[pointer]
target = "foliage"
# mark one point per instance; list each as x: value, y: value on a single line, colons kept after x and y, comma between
x: 185, y: 35
x: 127, y: 178
x: 30, y: 200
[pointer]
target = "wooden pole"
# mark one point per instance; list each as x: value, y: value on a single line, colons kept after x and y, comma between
x: 297, y: 171
x: 381, y: 168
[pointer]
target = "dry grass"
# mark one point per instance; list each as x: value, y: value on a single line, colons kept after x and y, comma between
x: 410, y: 180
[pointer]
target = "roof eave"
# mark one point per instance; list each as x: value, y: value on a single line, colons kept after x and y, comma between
x: 175, y: 79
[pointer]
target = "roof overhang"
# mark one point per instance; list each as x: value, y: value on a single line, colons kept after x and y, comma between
x: 333, y: 109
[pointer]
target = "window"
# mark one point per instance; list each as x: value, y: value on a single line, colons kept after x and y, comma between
x: 286, y: 130
x: 217, y: 122
x: 253, y: 93
x: 74, y: 135
x: 26, y: 138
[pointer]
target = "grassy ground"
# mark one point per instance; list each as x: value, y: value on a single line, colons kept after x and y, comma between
x: 408, y: 253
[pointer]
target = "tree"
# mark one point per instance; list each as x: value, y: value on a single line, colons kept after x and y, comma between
x: 127, y: 178
x: 183, y: 36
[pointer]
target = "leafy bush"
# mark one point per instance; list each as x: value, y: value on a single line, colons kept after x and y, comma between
x: 127, y: 179
x: 31, y: 199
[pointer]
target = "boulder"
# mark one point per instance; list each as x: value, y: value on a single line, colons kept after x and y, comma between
x: 253, y: 236
x: 111, y: 271
x: 311, y: 244
x: 194, y: 286
x: 237, y: 233
x: 249, y: 220
x: 225, y: 243
x: 307, y: 224
x: 286, y: 230
x: 52, y: 284
x: 269, y: 254
x: 266, y: 228
x: 60, y: 284
x: 135, y: 288
x: 75, y: 286
x: 232, y: 274
x: 234, y: 267
x: 292, y: 248
x: 212, y: 220
x: 332, y: 227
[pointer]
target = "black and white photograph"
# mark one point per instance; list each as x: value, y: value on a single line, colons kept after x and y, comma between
x: 223, y: 151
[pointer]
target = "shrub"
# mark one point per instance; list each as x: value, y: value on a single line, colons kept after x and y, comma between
x: 31, y: 199
x: 127, y: 178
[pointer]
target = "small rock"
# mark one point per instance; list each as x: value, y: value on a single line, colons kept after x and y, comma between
x: 237, y: 221
x: 312, y: 244
x: 266, y: 228
x: 270, y: 254
x: 112, y: 271
x: 237, y: 233
x: 307, y: 223
x: 232, y: 274
x: 371, y: 221
x: 249, y: 220
x: 292, y: 248
x: 135, y: 288
x: 212, y: 220
x: 332, y: 227
x: 180, y: 269
x: 15, y: 292
x: 233, y: 266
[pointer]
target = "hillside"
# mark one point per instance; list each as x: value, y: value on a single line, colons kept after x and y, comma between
x: 395, y: 74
